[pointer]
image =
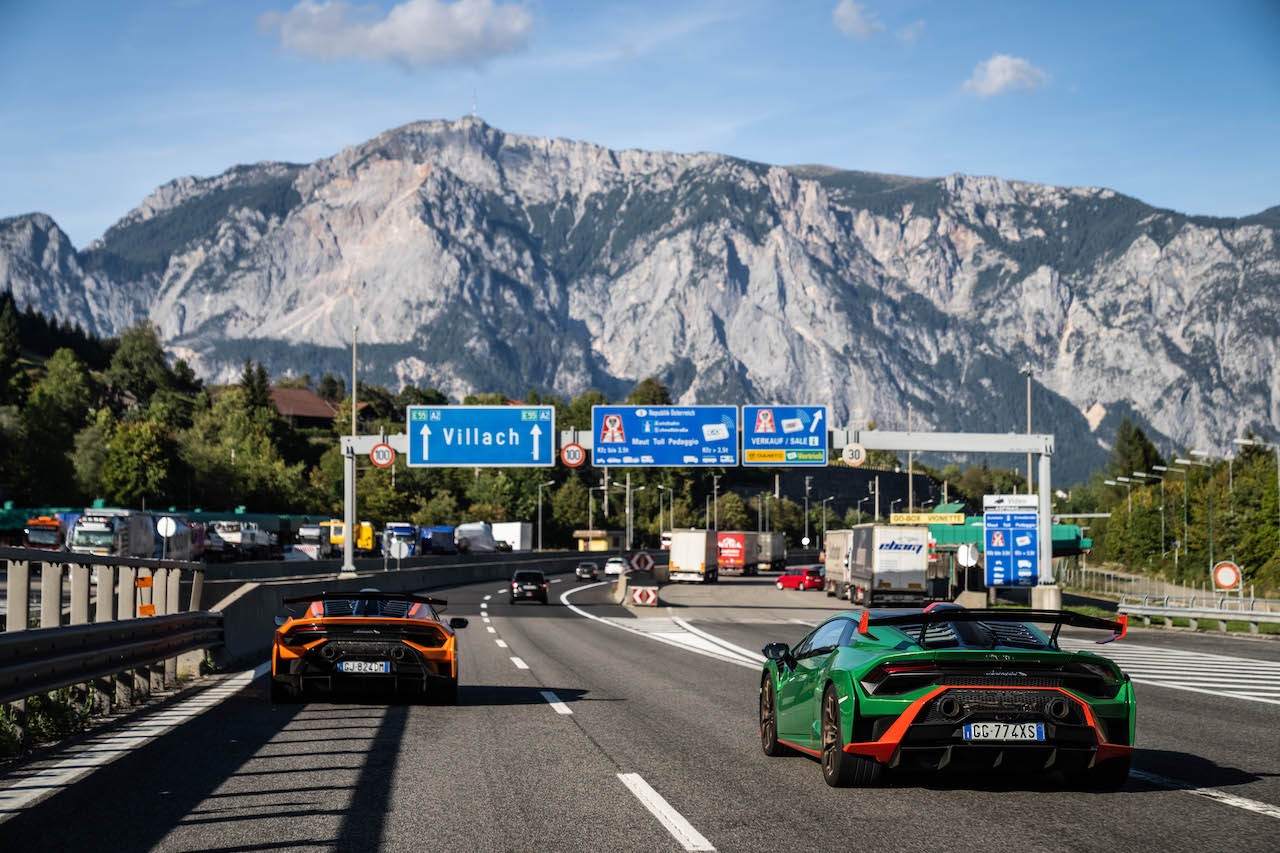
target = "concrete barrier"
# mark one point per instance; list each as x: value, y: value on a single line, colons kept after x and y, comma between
x: 249, y: 609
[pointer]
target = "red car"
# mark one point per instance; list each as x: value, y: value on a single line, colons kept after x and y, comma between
x: 809, y: 577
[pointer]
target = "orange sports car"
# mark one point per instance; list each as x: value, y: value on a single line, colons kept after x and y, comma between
x: 366, y: 641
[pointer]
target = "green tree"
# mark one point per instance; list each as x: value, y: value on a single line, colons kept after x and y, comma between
x: 649, y: 392
x: 140, y: 464
x: 578, y: 414
x: 411, y: 395
x: 256, y: 384
x: 732, y: 511
x: 332, y: 388
x: 9, y: 350
x: 1133, y: 451
x: 138, y: 368
x: 442, y: 508
x: 55, y: 411
x: 90, y: 452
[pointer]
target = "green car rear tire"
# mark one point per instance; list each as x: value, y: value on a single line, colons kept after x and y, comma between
x: 843, y: 769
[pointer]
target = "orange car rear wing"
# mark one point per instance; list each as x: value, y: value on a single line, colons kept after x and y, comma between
x: 366, y: 595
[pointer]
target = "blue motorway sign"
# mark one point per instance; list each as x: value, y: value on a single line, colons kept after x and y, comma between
x: 482, y: 436
x: 784, y: 435
x: 1012, y: 545
x: 670, y: 436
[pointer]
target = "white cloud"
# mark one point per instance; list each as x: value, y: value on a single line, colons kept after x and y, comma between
x: 911, y: 31
x: 1004, y: 73
x: 853, y: 19
x: 416, y: 33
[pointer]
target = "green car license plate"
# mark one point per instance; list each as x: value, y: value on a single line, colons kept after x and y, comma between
x: 1004, y: 731
x: 365, y: 666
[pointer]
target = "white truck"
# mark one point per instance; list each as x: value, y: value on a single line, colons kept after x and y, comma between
x: 313, y: 540
x: 878, y: 564
x: 475, y: 537
x: 243, y: 540
x: 517, y: 534
x: 694, y: 556
x: 114, y: 532
x: 772, y: 555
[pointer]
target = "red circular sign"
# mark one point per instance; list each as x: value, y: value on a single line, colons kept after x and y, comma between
x: 573, y: 455
x: 382, y: 455
x: 1226, y: 575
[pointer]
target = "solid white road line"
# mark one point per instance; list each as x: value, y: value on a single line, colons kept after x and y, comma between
x: 681, y: 830
x: 100, y: 751
x: 554, y: 701
x: 701, y: 647
x: 746, y: 653
x: 502, y: 644
x: 1209, y: 793
x: 519, y: 663
x: 491, y: 629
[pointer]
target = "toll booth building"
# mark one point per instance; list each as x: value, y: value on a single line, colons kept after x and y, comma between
x: 600, y: 540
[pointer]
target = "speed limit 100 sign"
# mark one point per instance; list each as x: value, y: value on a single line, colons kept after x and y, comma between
x: 1226, y: 575
x: 382, y: 455
x: 573, y: 455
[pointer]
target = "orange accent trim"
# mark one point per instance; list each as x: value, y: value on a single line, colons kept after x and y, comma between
x: 883, y: 750
x: 863, y: 623
x: 816, y: 753
x: 144, y: 583
x: 146, y: 610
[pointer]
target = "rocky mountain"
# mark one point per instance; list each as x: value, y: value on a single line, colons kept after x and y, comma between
x: 476, y: 260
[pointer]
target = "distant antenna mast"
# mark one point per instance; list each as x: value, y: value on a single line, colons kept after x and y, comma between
x: 475, y: 106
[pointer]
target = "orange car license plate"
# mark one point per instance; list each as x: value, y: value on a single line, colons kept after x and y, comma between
x: 378, y: 667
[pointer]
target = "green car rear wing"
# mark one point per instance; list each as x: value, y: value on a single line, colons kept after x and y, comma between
x: 934, y: 615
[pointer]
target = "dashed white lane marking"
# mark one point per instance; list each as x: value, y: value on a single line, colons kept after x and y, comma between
x: 554, y: 701
x: 484, y: 606
x: 485, y: 618
x: 556, y: 580
x: 491, y: 629
x: 681, y: 830
x: 103, y: 750
x: 1194, y: 672
x: 1210, y: 793
x: 519, y: 663
x: 502, y: 644
x: 487, y: 597
x: 501, y: 591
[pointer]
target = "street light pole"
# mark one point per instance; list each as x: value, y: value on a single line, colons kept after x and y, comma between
x: 860, y: 500
x: 1247, y: 442
x: 591, y: 506
x: 808, y: 484
x: 1128, y: 484
x: 541, y: 486
x: 1028, y: 369
x: 824, y: 518
x: 1209, y: 465
x: 715, y: 501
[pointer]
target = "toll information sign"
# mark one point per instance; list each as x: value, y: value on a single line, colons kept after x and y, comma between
x: 1011, y: 539
x: 670, y: 436
x: 784, y: 436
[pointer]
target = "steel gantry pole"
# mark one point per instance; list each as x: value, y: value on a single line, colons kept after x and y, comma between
x: 824, y: 518
x: 1028, y: 369
x: 1201, y: 454
x: 541, y: 486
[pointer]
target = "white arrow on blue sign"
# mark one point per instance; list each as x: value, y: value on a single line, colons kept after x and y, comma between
x: 481, y: 436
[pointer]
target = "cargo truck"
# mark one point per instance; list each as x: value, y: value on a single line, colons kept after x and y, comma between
x: 438, y: 539
x: 313, y: 540
x: 475, y: 537
x: 242, y: 540
x: 517, y: 534
x: 773, y: 551
x: 738, y: 551
x: 44, y: 532
x: 114, y: 532
x: 878, y: 564
x: 694, y: 556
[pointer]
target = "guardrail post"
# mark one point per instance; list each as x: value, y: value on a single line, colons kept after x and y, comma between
x: 197, y: 589
x: 172, y: 591
x: 79, y: 593
x: 17, y: 618
x: 1253, y: 627
x: 1194, y: 622
x: 50, y: 594
x: 159, y: 598
x: 1222, y: 625
x: 106, y: 612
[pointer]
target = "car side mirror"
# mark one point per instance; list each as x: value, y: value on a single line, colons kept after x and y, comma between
x: 779, y: 652
x: 458, y: 622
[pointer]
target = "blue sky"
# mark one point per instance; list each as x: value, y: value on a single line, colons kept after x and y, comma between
x: 1175, y: 103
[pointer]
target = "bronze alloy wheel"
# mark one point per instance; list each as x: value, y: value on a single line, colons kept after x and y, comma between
x: 831, y: 746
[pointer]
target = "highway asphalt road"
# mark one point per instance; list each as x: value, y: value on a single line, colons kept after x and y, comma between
x: 642, y: 717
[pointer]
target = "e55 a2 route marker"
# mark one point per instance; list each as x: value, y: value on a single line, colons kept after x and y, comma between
x: 382, y: 455
x: 1226, y: 575
x: 481, y: 436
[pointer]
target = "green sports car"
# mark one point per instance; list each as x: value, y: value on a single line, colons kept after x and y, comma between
x: 947, y: 686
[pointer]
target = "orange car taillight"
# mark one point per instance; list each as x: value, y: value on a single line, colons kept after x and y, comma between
x: 302, y: 636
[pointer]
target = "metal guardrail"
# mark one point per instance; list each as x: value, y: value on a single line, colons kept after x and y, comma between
x: 129, y: 647
x: 1218, y: 608
x: 47, y: 659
